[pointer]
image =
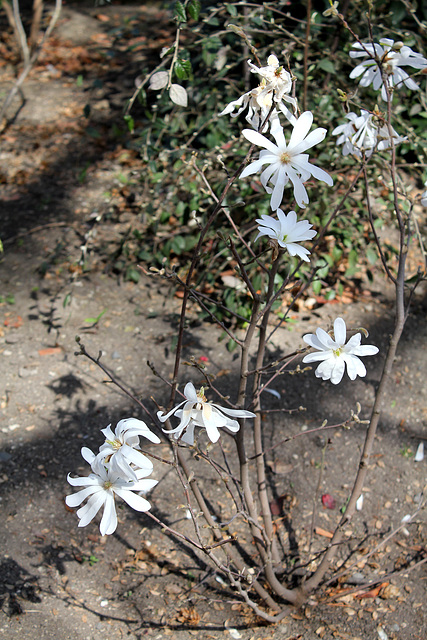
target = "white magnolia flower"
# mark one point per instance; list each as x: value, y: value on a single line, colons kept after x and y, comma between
x: 334, y: 354
x: 392, y: 57
x: 287, y: 232
x: 364, y: 133
x: 101, y: 487
x: 287, y: 162
x: 275, y: 85
x: 424, y: 196
x: 119, y: 450
x: 197, y: 412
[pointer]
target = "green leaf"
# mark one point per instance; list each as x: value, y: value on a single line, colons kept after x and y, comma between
x: 231, y: 345
x: 316, y: 286
x: 372, y: 255
x: 353, y: 259
x: 179, y: 11
x: 97, y: 319
x: 326, y: 65
x: 193, y: 9
x: 130, y: 122
x: 231, y: 9
x: 133, y: 274
x: 182, y: 69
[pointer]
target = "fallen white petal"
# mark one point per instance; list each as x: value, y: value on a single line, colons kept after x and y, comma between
x: 420, y: 453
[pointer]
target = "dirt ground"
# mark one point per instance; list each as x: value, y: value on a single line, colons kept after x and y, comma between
x: 61, y: 196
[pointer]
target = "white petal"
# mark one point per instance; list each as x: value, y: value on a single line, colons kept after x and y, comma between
x: 311, y: 140
x: 419, y: 456
x: 84, y: 481
x: 87, y: 454
x: 91, y: 508
x: 300, y: 192
x: 108, y: 523
x: 255, y: 166
x: 163, y: 417
x: 260, y: 140
x: 325, y: 339
x: 337, y: 371
x: 301, y: 128
x: 237, y: 413
x: 277, y: 195
x: 340, y: 331
x: 77, y: 498
x: 316, y: 357
x: 355, y: 367
x: 133, y: 500
x: 365, y: 350
x: 325, y: 369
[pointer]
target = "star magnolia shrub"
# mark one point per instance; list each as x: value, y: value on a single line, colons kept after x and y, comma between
x: 197, y: 412
x: 335, y: 354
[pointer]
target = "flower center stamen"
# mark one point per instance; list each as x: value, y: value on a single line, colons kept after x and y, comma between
x: 201, y: 395
x: 337, y: 352
x: 285, y: 158
x: 116, y: 444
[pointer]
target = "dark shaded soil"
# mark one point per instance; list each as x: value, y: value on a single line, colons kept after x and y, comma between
x: 58, y: 581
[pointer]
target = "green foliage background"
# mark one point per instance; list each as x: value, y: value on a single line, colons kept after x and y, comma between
x: 211, y: 64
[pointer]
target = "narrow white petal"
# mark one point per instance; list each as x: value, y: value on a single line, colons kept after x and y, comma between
x: 419, y: 456
x: 212, y: 432
x: 75, y: 499
x: 133, y: 500
x: 300, y: 192
x: 277, y: 195
x: 87, y: 454
x: 260, y: 140
x: 318, y: 357
x: 301, y: 128
x: 365, y: 350
x: 337, y: 371
x: 311, y: 140
x: 91, y: 508
x: 236, y: 413
x: 108, y: 523
x: 190, y: 392
x: 340, y: 331
x: 355, y: 367
x: 163, y: 417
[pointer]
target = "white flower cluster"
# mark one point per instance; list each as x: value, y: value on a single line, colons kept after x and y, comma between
x: 198, y: 412
x: 385, y: 60
x: 365, y: 134
x: 274, y: 88
x: 286, y: 161
x: 119, y: 470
